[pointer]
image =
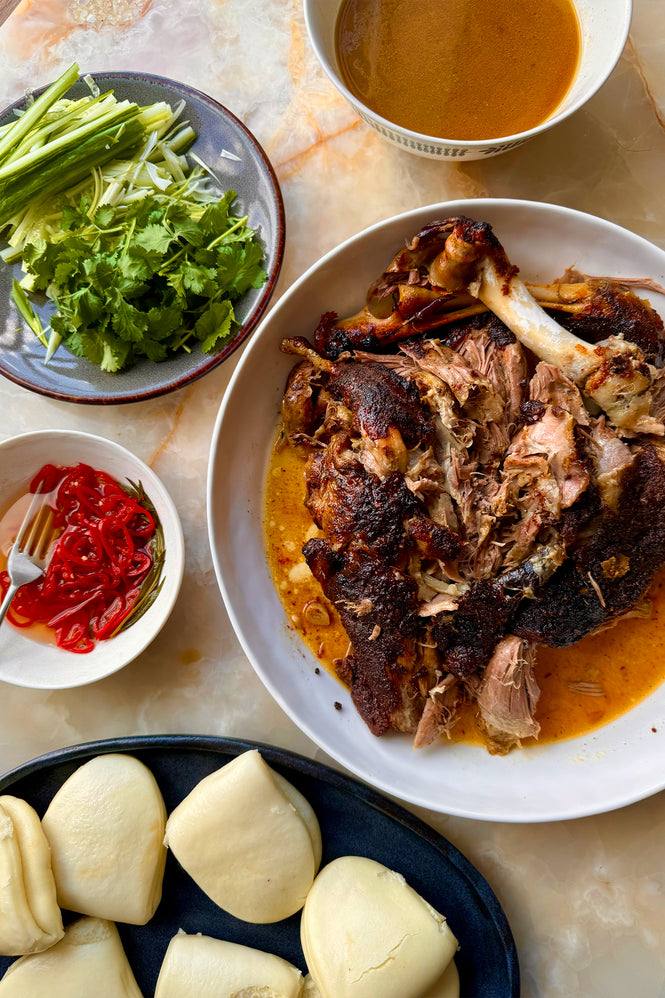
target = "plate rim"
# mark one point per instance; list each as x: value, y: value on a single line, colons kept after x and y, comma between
x: 514, y: 814
x: 267, y: 291
x: 304, y: 765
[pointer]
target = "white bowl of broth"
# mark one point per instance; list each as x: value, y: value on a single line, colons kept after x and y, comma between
x: 466, y: 79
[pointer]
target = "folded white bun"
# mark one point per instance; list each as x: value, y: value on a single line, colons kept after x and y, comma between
x: 106, y: 827
x: 309, y: 989
x: 366, y: 934
x: 249, y: 839
x: 446, y: 987
x: 89, y: 960
x: 30, y: 918
x: 213, y: 968
x: 448, y: 984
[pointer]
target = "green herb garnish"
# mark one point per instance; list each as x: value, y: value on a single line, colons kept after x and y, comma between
x: 140, y: 257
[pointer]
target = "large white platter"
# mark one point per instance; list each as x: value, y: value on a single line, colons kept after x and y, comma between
x: 613, y: 766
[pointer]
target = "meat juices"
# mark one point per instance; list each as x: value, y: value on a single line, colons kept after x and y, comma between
x: 472, y: 505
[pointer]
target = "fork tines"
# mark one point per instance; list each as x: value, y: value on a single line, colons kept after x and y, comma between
x: 40, y: 534
x: 37, y: 525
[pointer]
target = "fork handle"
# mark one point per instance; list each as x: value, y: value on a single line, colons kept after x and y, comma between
x: 9, y: 596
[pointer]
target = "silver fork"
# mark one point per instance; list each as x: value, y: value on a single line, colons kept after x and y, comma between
x: 27, y: 558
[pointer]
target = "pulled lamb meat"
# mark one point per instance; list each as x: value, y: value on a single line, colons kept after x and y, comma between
x: 486, y: 478
x: 508, y: 694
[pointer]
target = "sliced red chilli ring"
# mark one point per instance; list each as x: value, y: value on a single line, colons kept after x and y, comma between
x: 98, y: 563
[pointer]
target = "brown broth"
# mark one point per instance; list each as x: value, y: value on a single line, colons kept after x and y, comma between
x: 459, y: 69
x: 627, y: 662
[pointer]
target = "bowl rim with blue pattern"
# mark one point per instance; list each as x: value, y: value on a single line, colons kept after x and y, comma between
x: 604, y: 27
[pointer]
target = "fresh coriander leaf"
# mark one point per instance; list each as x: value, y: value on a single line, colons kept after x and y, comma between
x: 135, y: 268
x: 107, y: 352
x: 63, y: 325
x: 215, y: 325
x: 162, y: 322
x: 196, y: 278
x: 128, y: 322
x: 104, y: 216
x: 154, y: 238
x: 177, y: 282
x: 114, y: 355
x: 215, y: 218
x: 73, y: 218
x: 182, y: 224
x: 153, y: 350
x: 64, y: 271
x: 239, y: 265
x: 259, y: 278
x: 84, y: 307
x: 99, y: 271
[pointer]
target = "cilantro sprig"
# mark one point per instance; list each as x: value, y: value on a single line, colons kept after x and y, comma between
x: 146, y: 279
x: 139, y: 256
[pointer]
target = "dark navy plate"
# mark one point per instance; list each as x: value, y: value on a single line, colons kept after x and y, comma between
x: 354, y: 820
x: 237, y: 159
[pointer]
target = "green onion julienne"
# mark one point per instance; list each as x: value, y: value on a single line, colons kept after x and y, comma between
x: 52, y: 145
x: 13, y: 135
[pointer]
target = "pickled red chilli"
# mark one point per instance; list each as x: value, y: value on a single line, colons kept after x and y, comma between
x: 102, y: 554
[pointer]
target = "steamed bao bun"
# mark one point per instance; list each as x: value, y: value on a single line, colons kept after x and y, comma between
x: 89, y: 960
x: 366, y: 934
x: 446, y: 987
x: 249, y: 840
x: 213, y: 968
x: 106, y: 827
x: 30, y: 918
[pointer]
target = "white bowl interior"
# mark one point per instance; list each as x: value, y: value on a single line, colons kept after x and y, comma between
x: 614, y: 765
x: 604, y: 26
x: 25, y: 662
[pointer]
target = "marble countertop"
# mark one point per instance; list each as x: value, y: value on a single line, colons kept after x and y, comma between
x: 585, y: 898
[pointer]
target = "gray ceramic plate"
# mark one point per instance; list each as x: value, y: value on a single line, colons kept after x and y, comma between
x: 251, y: 176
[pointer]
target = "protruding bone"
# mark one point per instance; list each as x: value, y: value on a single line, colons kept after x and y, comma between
x: 613, y: 372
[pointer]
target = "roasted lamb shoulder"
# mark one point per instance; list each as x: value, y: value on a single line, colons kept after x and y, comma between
x: 483, y: 478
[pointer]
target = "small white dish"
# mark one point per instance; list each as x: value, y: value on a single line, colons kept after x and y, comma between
x: 26, y: 662
x: 613, y: 765
x: 604, y: 26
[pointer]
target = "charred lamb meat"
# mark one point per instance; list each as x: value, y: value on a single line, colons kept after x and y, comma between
x: 485, y: 477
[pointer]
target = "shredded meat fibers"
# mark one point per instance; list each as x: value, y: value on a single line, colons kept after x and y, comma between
x: 476, y: 501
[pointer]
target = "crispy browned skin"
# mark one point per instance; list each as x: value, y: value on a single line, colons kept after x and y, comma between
x: 348, y: 504
x: 379, y: 400
x: 404, y: 302
x: 370, y: 523
x: 298, y: 404
x: 378, y: 607
x: 352, y: 505
x: 601, y: 304
x: 633, y: 537
x: 485, y: 613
